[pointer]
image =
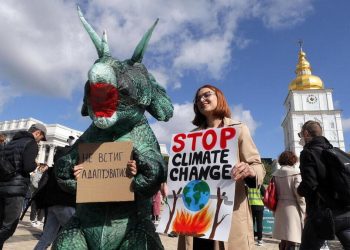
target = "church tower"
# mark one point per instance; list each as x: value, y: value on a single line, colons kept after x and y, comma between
x: 308, y: 100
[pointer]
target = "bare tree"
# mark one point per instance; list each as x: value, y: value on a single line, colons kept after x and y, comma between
x: 172, y: 211
x: 216, y: 223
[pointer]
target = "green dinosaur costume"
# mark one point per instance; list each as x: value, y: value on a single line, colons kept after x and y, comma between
x: 117, y: 95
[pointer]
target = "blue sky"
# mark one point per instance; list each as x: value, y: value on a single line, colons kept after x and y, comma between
x: 247, y: 48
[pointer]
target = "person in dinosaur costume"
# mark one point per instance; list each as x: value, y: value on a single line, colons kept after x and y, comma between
x: 117, y: 94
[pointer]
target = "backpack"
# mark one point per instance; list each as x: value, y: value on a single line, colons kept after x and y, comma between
x: 337, y: 163
x: 270, y: 197
x: 7, y: 170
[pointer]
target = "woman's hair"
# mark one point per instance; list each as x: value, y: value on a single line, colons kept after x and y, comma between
x: 287, y: 158
x: 222, y: 110
x: 2, y: 138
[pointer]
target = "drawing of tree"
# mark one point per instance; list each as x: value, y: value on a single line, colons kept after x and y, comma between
x: 172, y: 211
x: 216, y: 223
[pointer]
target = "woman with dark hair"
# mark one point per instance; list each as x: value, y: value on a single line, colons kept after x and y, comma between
x: 290, y: 210
x: 212, y: 111
x: 2, y: 139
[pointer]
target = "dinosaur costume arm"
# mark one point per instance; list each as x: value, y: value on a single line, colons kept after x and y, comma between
x: 64, y: 171
x: 151, y: 167
x: 151, y: 173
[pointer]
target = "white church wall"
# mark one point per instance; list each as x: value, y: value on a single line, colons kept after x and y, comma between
x: 56, y: 136
x: 297, y: 100
x: 323, y: 102
x: 330, y: 100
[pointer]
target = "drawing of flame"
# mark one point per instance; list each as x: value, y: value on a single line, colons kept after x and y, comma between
x: 192, y: 224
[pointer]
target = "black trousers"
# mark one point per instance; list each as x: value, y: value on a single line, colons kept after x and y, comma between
x: 36, y: 214
x: 10, y: 211
x: 310, y: 241
x: 200, y: 244
x: 258, y: 213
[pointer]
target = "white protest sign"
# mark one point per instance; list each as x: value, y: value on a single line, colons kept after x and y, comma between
x: 201, y: 191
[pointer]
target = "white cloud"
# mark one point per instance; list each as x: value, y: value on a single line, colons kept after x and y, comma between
x: 42, y: 50
x: 211, y: 55
x: 346, y: 124
x: 161, y: 76
x: 282, y: 13
x: 45, y: 50
x: 182, y: 121
x: 239, y: 114
x: 6, y: 94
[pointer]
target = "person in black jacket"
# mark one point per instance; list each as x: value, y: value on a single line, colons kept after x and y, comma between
x: 315, y: 184
x: 21, y: 152
x: 60, y: 205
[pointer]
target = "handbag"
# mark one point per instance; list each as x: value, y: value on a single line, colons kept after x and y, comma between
x: 270, y: 196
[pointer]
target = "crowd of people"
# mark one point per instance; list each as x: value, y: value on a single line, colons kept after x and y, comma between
x: 36, y: 187
x: 298, y: 189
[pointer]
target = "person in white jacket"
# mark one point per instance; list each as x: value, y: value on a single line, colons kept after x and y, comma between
x: 290, y: 210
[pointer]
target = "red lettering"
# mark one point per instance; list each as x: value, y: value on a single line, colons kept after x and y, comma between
x: 206, y: 145
x: 179, y: 139
x: 194, y: 136
x: 226, y: 134
x: 209, y: 139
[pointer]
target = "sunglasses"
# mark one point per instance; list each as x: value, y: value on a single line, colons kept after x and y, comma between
x: 205, y: 96
x: 42, y: 134
x: 300, y: 134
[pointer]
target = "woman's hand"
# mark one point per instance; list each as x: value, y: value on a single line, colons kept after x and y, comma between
x: 242, y: 170
x: 131, y: 168
x: 77, y: 170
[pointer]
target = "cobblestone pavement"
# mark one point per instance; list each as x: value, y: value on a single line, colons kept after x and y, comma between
x: 27, y: 236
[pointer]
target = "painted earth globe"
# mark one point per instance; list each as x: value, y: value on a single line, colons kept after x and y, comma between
x: 196, y: 195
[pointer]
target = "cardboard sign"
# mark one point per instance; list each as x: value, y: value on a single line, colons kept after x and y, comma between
x: 103, y: 178
x: 201, y: 190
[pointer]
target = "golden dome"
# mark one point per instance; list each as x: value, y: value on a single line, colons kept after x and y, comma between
x: 305, y: 80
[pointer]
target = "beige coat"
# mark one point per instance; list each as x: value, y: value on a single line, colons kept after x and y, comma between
x: 241, y: 234
x: 290, y: 211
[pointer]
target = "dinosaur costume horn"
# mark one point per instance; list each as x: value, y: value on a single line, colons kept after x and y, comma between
x: 100, y: 44
x: 141, y: 47
x: 104, y: 45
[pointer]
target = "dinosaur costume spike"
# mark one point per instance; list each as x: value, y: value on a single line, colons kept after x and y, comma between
x: 104, y: 45
x: 141, y: 47
x: 92, y: 33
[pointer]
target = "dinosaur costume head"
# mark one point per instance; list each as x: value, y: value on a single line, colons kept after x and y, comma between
x: 116, y: 87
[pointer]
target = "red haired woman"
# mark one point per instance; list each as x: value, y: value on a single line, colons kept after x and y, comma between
x: 212, y: 111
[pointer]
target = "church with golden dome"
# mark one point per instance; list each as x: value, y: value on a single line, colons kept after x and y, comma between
x: 308, y: 99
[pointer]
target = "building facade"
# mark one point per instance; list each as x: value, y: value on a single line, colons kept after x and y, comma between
x: 307, y: 99
x: 57, y: 136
